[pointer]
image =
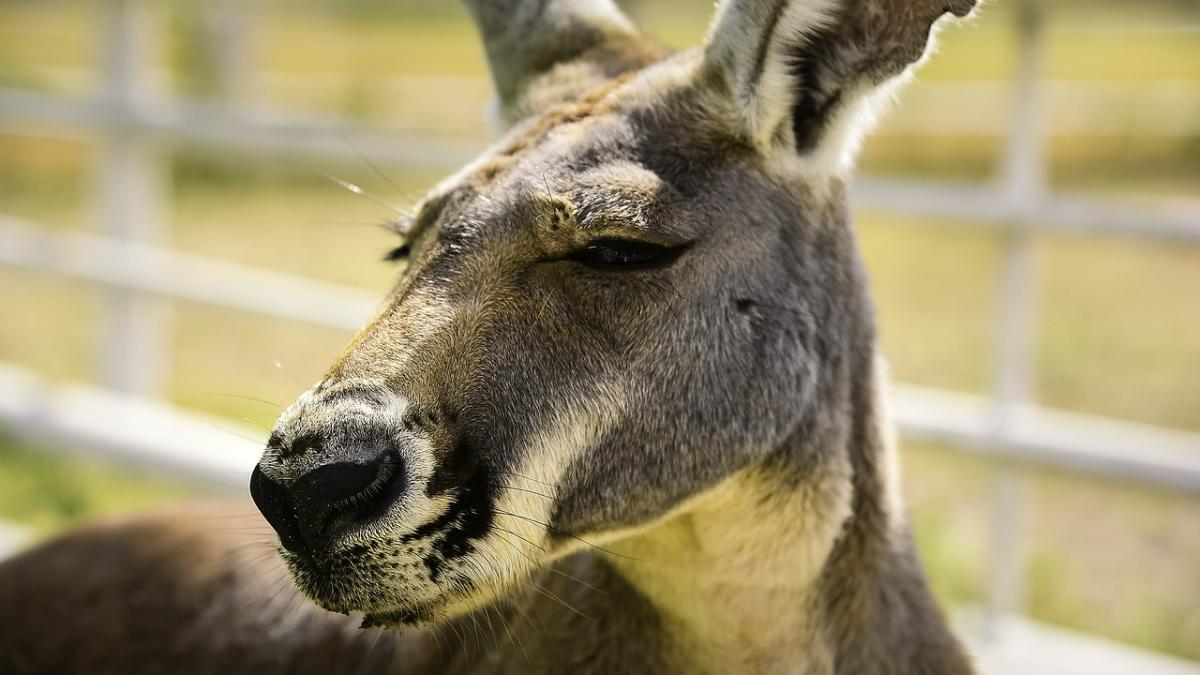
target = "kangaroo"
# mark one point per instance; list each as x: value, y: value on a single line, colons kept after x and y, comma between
x: 621, y: 413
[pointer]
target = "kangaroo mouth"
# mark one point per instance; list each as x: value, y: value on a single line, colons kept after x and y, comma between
x: 410, y: 577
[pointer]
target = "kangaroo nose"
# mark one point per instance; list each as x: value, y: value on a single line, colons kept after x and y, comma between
x: 321, y: 503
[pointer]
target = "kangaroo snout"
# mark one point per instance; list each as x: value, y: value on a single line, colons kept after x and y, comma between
x: 319, y: 505
x: 338, y: 459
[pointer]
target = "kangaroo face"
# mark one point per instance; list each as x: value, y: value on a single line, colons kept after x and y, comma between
x: 638, y: 293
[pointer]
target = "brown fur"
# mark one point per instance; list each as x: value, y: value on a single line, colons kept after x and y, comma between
x: 197, y: 590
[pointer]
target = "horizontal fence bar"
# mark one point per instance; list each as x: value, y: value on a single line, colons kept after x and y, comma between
x: 264, y: 131
x: 137, y: 432
x: 164, y: 272
x: 154, y: 270
x: 1075, y: 108
x: 1039, y: 436
x: 128, y: 429
x: 1076, y: 442
x: 1025, y: 647
x: 256, y: 130
x: 991, y: 206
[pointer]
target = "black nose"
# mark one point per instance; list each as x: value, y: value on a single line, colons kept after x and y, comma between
x: 312, y: 509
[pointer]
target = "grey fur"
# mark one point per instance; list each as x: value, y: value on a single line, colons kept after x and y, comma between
x: 714, y: 421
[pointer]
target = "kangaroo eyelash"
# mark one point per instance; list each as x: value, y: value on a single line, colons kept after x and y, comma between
x: 402, y: 226
x: 397, y: 254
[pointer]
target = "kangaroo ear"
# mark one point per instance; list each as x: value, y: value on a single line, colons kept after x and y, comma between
x: 801, y: 73
x: 543, y: 52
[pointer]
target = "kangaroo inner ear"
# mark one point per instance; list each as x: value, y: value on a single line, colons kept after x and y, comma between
x: 543, y: 52
x: 801, y: 73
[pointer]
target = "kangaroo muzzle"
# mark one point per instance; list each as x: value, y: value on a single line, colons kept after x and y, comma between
x: 339, y: 459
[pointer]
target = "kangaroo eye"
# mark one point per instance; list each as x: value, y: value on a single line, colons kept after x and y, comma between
x: 626, y: 254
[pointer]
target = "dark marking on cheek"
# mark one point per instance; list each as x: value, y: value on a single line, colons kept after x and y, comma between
x: 433, y: 563
x: 476, y: 513
x: 745, y: 305
x: 428, y: 529
x: 275, y: 441
x: 468, y: 519
x: 358, y: 550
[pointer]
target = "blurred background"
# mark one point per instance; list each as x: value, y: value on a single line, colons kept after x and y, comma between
x: 176, y: 264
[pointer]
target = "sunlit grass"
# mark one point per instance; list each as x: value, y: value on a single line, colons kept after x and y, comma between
x: 1120, y: 329
x: 48, y: 492
x: 1106, y: 557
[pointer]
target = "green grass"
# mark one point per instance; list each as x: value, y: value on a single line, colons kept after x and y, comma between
x: 48, y: 492
x: 1117, y: 321
x: 1106, y: 557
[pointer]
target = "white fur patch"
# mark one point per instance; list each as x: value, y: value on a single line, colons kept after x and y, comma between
x: 528, y: 496
x: 733, y: 570
x: 893, y: 499
x: 516, y: 548
x: 763, y: 82
x: 758, y: 46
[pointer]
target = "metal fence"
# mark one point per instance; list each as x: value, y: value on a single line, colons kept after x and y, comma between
x: 133, y: 130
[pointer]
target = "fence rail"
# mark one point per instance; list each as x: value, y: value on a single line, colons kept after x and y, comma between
x: 254, y: 131
x: 121, y: 420
x: 1037, y: 436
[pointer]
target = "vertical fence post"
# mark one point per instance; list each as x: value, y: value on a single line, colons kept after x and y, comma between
x: 131, y: 183
x: 226, y: 27
x: 1024, y: 185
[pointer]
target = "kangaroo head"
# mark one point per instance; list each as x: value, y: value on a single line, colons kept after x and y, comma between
x: 649, y: 285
